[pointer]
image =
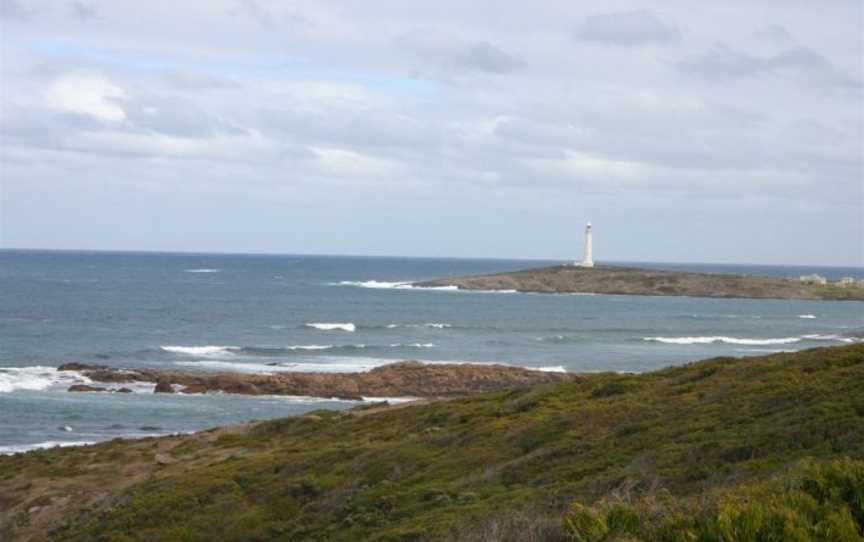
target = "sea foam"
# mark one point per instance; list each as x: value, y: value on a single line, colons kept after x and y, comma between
x: 205, y: 270
x: 201, y: 350
x: 37, y: 378
x: 719, y: 339
x: 328, y: 326
x: 381, y: 285
x: 19, y: 448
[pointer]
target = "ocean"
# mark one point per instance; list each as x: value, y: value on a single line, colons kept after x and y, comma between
x: 266, y: 313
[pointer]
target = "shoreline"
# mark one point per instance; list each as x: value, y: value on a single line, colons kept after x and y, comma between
x: 743, y: 417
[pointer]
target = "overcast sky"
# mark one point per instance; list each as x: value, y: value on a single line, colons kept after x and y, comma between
x: 685, y: 131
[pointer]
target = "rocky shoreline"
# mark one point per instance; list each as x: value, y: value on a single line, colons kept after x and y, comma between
x: 401, y: 379
x: 607, y: 279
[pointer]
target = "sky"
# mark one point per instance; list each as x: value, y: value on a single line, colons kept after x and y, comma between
x: 722, y: 132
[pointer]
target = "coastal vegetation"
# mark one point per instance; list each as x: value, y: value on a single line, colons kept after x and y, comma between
x: 725, y: 449
x: 607, y: 279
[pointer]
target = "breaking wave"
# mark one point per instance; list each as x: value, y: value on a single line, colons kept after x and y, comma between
x: 19, y: 448
x: 725, y: 340
x: 434, y: 325
x: 807, y: 316
x: 381, y: 285
x: 328, y: 326
x: 204, y: 270
x: 223, y: 352
x: 37, y: 378
x: 201, y: 350
x: 748, y: 341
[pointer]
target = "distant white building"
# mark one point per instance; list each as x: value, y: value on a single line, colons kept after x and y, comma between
x: 813, y: 279
x: 846, y: 281
x: 588, y: 257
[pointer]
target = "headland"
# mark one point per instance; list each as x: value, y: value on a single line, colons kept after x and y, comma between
x: 608, y: 279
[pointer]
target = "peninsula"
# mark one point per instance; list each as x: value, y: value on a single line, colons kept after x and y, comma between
x: 608, y: 279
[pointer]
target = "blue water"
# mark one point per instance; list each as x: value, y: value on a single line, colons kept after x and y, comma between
x: 252, y: 313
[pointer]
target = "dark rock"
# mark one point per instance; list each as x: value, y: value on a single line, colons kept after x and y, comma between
x: 123, y: 390
x: 85, y: 387
x: 149, y: 428
x: 163, y: 386
x: 194, y: 388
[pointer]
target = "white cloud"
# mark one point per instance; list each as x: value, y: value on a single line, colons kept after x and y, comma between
x: 89, y: 94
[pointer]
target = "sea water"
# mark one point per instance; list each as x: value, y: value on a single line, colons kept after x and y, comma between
x: 260, y: 313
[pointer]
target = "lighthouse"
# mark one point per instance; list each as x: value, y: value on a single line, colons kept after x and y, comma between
x: 588, y: 258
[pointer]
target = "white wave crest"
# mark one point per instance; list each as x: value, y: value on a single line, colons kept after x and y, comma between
x: 201, y: 350
x: 328, y: 326
x: 831, y: 337
x: 204, y: 270
x: 326, y: 365
x: 381, y: 285
x: 434, y: 325
x: 37, y: 378
x: 414, y: 345
x: 725, y: 340
x: 19, y: 448
x: 553, y: 369
x: 807, y: 316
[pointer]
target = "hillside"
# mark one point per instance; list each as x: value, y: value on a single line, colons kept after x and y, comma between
x: 606, y: 279
x: 722, y: 449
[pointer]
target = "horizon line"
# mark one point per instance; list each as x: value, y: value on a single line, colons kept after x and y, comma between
x: 383, y: 256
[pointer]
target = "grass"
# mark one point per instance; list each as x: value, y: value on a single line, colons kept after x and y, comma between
x: 724, y: 449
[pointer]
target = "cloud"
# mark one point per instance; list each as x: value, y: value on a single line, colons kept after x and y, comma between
x: 485, y: 57
x: 724, y: 62
x: 195, y: 81
x: 627, y: 28
x: 89, y: 94
x: 83, y: 10
x: 774, y: 33
x: 442, y: 108
x: 14, y: 10
x: 452, y: 53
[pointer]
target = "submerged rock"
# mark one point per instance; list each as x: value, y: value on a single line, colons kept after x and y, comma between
x: 163, y: 386
x: 85, y: 387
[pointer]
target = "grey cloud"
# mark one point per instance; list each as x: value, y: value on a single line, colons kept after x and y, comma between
x: 267, y: 18
x: 350, y: 128
x: 14, y: 10
x: 252, y: 9
x: 174, y: 117
x: 774, y: 32
x: 198, y: 81
x: 723, y: 62
x: 485, y: 57
x: 83, y: 10
x: 627, y: 28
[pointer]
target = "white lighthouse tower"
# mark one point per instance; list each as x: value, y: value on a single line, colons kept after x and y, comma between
x: 588, y: 258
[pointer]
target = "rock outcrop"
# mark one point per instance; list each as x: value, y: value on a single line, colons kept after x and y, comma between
x: 407, y: 378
